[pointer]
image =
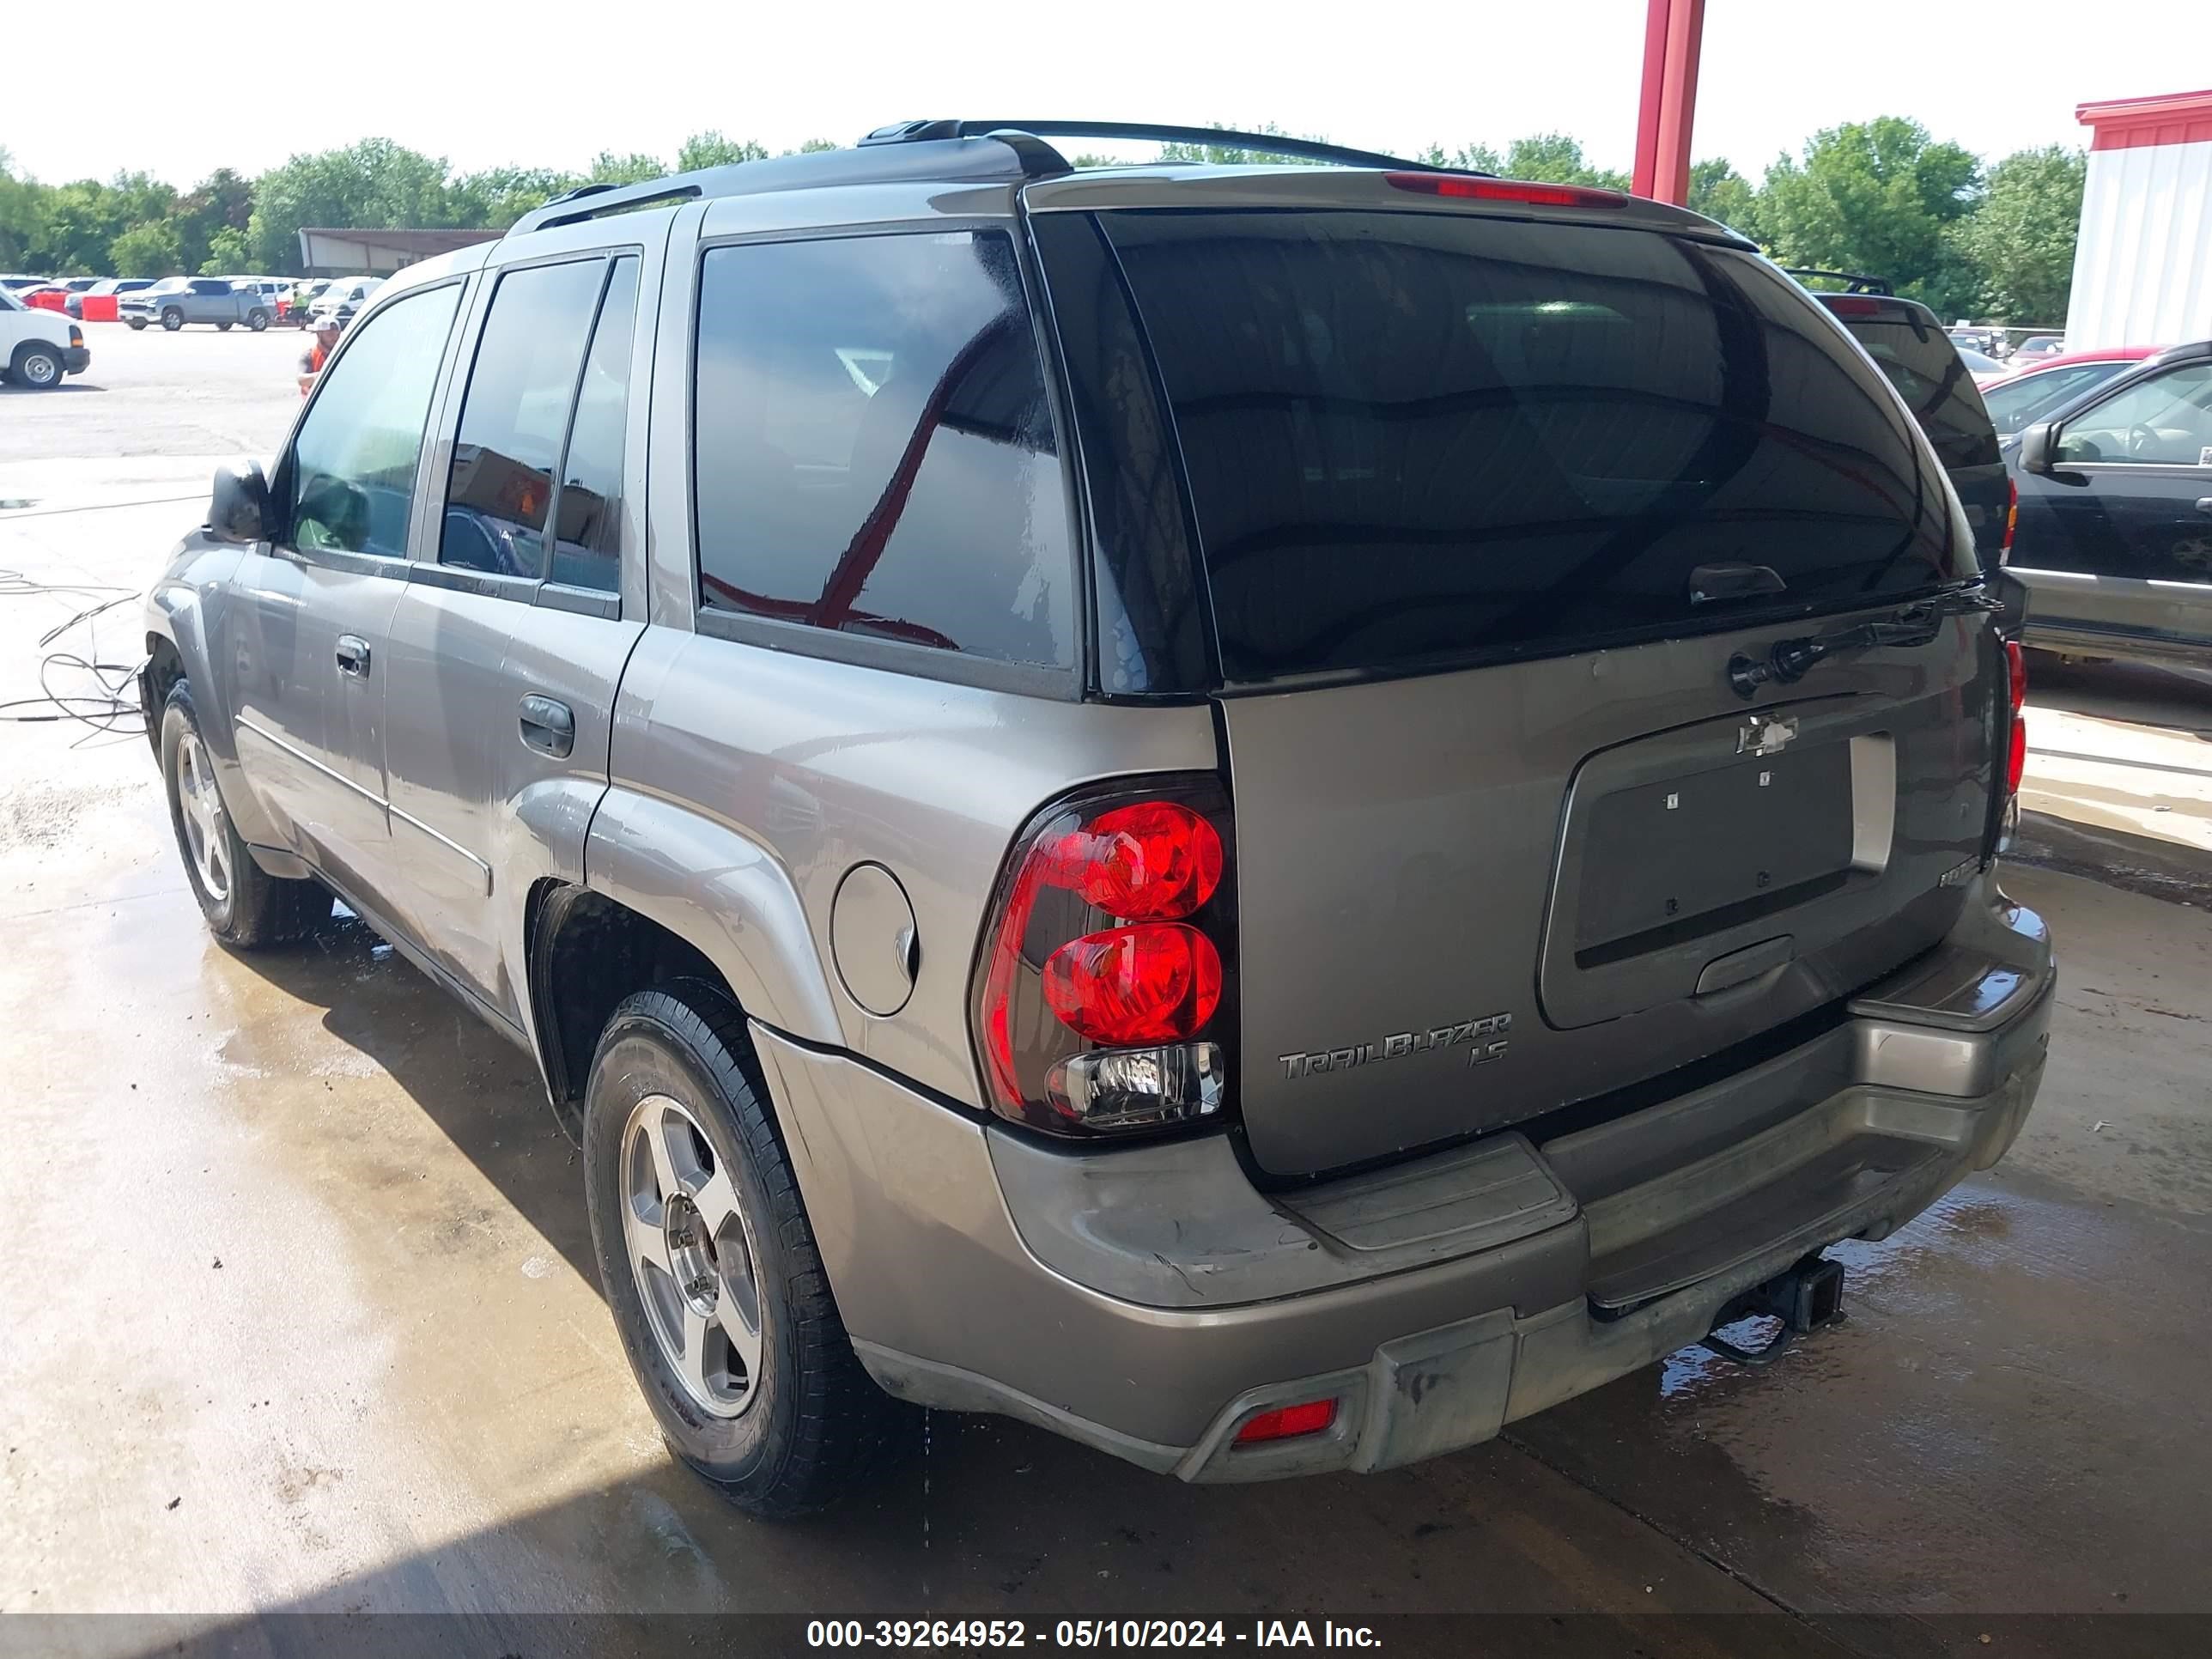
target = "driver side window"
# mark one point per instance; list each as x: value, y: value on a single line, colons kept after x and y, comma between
x: 353, y: 465
x: 2165, y: 421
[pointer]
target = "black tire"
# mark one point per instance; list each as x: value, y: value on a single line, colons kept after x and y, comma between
x: 223, y: 328
x: 36, y: 365
x: 172, y: 318
x: 138, y: 324
x: 816, y: 1425
x: 254, y: 909
x: 257, y: 320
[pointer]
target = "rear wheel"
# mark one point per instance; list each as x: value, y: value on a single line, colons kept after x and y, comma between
x: 257, y: 320
x: 36, y: 366
x: 245, y: 906
x: 709, y: 1264
x: 172, y: 318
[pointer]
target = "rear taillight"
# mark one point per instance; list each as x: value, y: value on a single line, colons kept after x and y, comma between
x: 1287, y: 1422
x: 1101, y: 991
x: 2012, y: 521
x: 1464, y: 187
x: 2016, y: 675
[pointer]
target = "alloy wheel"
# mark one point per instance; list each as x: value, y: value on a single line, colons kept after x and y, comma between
x: 690, y: 1249
x: 203, y: 816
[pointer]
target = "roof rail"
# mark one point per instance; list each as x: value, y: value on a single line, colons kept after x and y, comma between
x: 1879, y: 286
x: 1010, y: 159
x: 1270, y: 143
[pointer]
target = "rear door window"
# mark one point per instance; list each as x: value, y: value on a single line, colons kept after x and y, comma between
x: 1423, y: 439
x: 514, y: 415
x: 873, y: 452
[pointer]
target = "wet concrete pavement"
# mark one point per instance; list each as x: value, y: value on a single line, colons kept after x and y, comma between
x: 296, y: 1313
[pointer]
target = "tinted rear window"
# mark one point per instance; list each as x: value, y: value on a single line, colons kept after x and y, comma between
x: 1417, y: 438
x: 1937, y: 385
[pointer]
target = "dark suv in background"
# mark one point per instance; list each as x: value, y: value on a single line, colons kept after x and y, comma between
x: 1267, y: 816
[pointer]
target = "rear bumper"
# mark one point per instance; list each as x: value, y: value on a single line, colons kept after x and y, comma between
x: 1148, y: 1301
x: 76, y: 360
x: 2116, y: 616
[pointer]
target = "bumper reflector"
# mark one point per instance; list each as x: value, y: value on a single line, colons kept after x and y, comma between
x: 1288, y: 1422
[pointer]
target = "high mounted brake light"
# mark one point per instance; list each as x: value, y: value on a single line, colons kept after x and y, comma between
x: 1467, y: 187
x: 1100, y: 987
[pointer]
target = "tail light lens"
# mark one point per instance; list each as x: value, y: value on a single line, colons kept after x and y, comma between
x: 1472, y: 188
x: 2016, y: 673
x: 2012, y: 521
x: 1287, y: 1422
x: 1102, y: 989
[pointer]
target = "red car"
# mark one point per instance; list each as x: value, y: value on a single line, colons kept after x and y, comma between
x: 2018, y: 401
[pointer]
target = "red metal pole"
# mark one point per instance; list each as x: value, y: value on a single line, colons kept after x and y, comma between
x: 1673, y: 31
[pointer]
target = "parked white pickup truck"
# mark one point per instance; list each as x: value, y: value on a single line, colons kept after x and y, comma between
x: 37, y: 348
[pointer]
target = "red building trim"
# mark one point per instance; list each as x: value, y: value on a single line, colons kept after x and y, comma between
x: 2173, y: 118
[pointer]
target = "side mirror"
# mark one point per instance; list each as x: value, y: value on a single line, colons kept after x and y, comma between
x: 2037, y: 443
x: 239, y: 509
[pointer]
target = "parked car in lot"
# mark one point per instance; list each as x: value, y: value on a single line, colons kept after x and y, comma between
x: 177, y: 300
x: 2021, y: 399
x: 38, y: 348
x: 1206, y: 806
x: 276, y: 293
x: 2116, y: 515
x: 345, y: 297
x: 47, y: 296
x: 15, y: 281
x: 99, y: 302
x: 1936, y: 381
x: 2037, y: 348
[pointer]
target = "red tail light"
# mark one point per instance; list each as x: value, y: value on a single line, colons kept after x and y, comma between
x: 1107, y: 962
x: 2016, y: 674
x: 1286, y: 1422
x: 1467, y: 188
x: 2012, y: 519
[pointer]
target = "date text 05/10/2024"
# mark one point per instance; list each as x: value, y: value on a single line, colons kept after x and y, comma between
x: 1086, y: 1633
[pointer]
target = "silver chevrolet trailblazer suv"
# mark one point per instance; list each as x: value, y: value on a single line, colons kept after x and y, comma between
x: 1269, y: 817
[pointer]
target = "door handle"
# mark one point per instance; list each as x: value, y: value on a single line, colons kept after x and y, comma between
x: 549, y: 726
x: 353, y: 656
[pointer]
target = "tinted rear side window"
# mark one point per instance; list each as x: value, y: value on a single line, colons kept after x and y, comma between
x: 1936, y: 385
x: 1419, y: 439
x: 873, y: 452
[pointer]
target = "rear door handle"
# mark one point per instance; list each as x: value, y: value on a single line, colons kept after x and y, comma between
x: 549, y: 726
x: 353, y: 656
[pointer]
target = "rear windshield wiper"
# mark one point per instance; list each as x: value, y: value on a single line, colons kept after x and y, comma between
x: 1918, y: 623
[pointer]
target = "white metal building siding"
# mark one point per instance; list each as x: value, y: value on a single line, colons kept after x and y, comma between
x: 2142, y: 268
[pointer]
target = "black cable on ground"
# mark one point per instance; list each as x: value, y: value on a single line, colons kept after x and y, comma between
x: 109, y: 704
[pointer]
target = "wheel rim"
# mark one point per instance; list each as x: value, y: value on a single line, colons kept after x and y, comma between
x: 41, y: 370
x: 201, y: 810
x: 690, y: 1251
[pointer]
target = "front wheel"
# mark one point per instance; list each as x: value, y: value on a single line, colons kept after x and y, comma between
x: 245, y: 906
x: 172, y: 319
x: 223, y: 328
x: 35, y: 366
x: 137, y: 325
x: 709, y: 1264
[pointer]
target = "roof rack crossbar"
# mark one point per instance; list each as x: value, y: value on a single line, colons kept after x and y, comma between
x: 1268, y: 144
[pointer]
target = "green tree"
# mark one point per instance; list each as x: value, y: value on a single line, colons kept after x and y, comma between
x: 1719, y: 191
x: 1555, y: 159
x: 226, y: 254
x: 636, y: 168
x: 152, y: 249
x: 815, y: 146
x: 22, y: 213
x: 711, y: 150
x: 1228, y: 155
x: 2021, y: 240
x: 223, y: 201
x: 375, y: 184
x: 1468, y: 158
x: 496, y: 198
x: 1878, y: 197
